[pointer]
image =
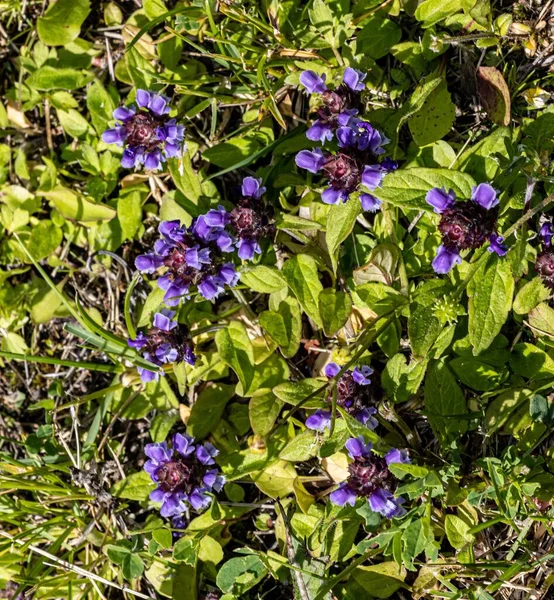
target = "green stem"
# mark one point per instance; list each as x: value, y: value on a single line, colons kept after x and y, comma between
x: 64, y: 363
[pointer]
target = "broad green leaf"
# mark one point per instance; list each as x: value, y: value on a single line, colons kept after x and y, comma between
x: 302, y: 277
x: 276, y: 480
x: 132, y: 566
x: 77, y: 208
x: 62, y: 22
x: 530, y: 295
x: 129, y: 213
x: 186, y: 550
x: 236, y: 351
x: 51, y: 78
x: 415, y: 539
x: 284, y: 326
x: 263, y: 410
x: 302, y: 447
x: 184, y: 177
x: 378, y: 297
x: 101, y: 106
x: 457, y: 532
x: 401, y: 380
x: 433, y: 11
x: 408, y: 188
x: 239, y: 574
x: 296, y: 392
x: 44, y: 239
x: 381, y: 580
x: 377, y: 37
x: 477, y: 374
x: 445, y: 404
x: 340, y: 222
x: 263, y: 279
x: 334, y: 308
x: 529, y: 361
x: 541, y: 320
x: 136, y: 486
x: 267, y: 374
x: 435, y: 118
x: 423, y: 329
x: 228, y: 154
x: 481, y: 158
x: 490, y: 299
x: 208, y: 408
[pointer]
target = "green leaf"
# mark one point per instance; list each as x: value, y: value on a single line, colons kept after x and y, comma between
x: 101, y: 106
x: 236, y: 351
x: 136, y: 486
x: 530, y: 295
x: 302, y: 277
x: 400, y: 379
x: 433, y: 11
x: 44, y: 239
x: 340, y: 222
x: 296, y: 392
x: 334, y: 308
x: 477, y: 374
x: 186, y: 550
x: 184, y: 177
x: 163, y: 537
x: 423, y: 329
x: 75, y: 207
x: 531, y: 362
x: 490, y: 299
x: 208, y: 408
x: 129, y: 213
x: 276, y: 480
x: 51, y: 78
x: 62, y: 22
x: 377, y: 37
x: 541, y: 320
x: 415, y: 539
x: 408, y: 188
x: 381, y: 580
x: 302, y: 447
x: 457, y: 532
x: 263, y: 410
x: 262, y: 279
x: 240, y: 574
x: 445, y: 404
x: 435, y: 118
x: 284, y: 326
x: 481, y: 159
x: 227, y: 154
x: 73, y: 123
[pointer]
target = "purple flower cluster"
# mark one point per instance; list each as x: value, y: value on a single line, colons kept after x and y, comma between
x: 185, y: 474
x: 544, y: 265
x: 165, y: 342
x: 371, y: 478
x: 189, y: 257
x: 251, y: 220
x: 147, y: 133
x: 465, y: 224
x: 355, y: 162
x: 354, y: 394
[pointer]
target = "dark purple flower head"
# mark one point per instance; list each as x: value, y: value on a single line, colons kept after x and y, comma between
x: 355, y: 394
x: 147, y: 133
x: 183, y: 474
x: 251, y: 220
x: 544, y: 265
x: 190, y: 257
x: 165, y: 342
x: 465, y: 225
x: 370, y: 477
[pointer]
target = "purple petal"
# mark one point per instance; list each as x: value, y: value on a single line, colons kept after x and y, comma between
x: 174, y: 292
x: 445, y: 260
x: 220, y: 217
x: 319, y: 420
x: 346, y: 137
x: 196, y: 257
x: 202, y: 229
x: 149, y: 263
x: 173, y: 150
x: 370, y: 203
x: 496, y: 244
x: 173, y: 230
x: 143, y: 98
x: 343, y: 495
x: 353, y: 79
x: 345, y: 118
x: 228, y: 274
x: 157, y: 495
x: 164, y: 322
x: 397, y: 456
x: 206, y: 452
x: 199, y: 500
x: 151, y: 467
x: 189, y: 356
x: 372, y: 176
x: 172, y: 505
x: 122, y: 113
x: 361, y: 375
x: 247, y: 248
x: 213, y: 480
x: 388, y: 165
x: 365, y: 417
x: 332, y: 369
x: 225, y: 242
x: 158, y: 452
x: 333, y: 196
x: 139, y: 342
x: 114, y: 136
x: 147, y: 376
x: 320, y: 132
x: 440, y: 199
x: 357, y: 447
x: 131, y: 158
x: 311, y: 161
x: 184, y: 444
x: 384, y: 503
x: 485, y: 195
x: 165, y: 353
x: 313, y: 83
x: 153, y: 160
x: 158, y: 105
x: 252, y: 187
x: 547, y: 233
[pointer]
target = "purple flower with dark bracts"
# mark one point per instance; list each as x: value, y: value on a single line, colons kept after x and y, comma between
x: 251, y: 220
x: 165, y: 342
x: 465, y: 225
x: 544, y: 264
x: 147, y: 133
x: 547, y: 233
x: 185, y: 474
x: 190, y: 257
x: 355, y: 395
x: 371, y: 478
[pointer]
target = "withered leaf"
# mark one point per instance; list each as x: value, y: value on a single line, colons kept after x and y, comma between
x: 494, y: 94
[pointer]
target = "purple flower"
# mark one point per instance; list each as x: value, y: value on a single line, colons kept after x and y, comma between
x: 319, y: 420
x: 320, y: 132
x: 182, y: 475
x: 544, y: 265
x: 370, y: 203
x: 445, y: 260
x: 252, y: 188
x: 332, y: 369
x: 465, y: 224
x: 361, y: 375
x: 397, y: 456
x: 165, y: 342
x: 370, y: 477
x: 146, y: 132
x: 314, y: 83
x: 354, y: 79
x: 311, y: 161
x: 547, y: 233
